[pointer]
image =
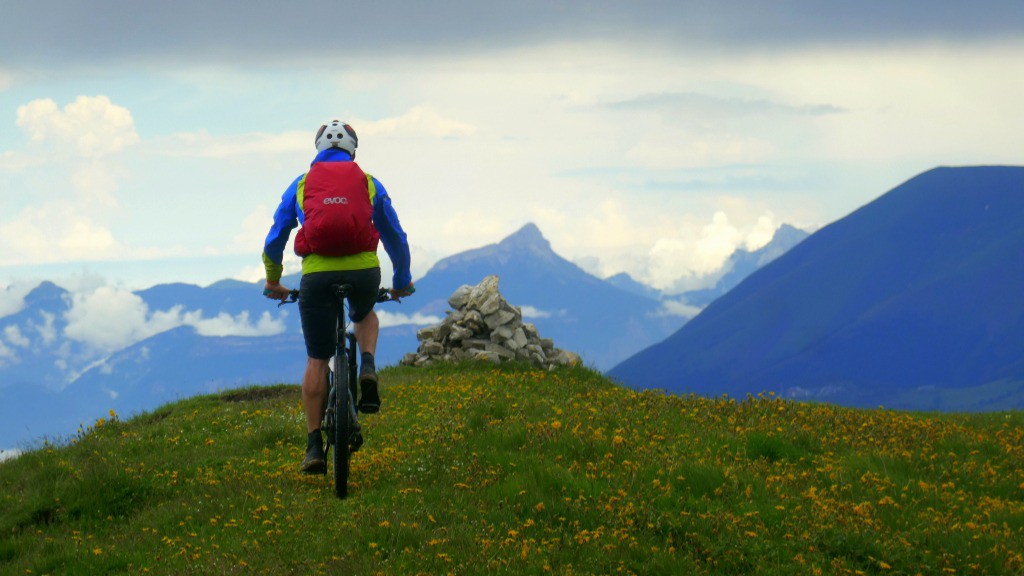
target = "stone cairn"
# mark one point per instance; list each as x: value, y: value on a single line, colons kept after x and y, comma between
x: 483, y: 326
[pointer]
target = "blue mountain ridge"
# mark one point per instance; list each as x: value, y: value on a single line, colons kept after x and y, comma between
x: 912, y: 301
x: 577, y: 310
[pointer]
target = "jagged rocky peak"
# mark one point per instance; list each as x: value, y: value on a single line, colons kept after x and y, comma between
x: 526, y: 243
x: 528, y: 237
x: 45, y: 292
x: 483, y: 326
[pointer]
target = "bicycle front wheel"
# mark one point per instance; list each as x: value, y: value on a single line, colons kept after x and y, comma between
x: 343, y: 426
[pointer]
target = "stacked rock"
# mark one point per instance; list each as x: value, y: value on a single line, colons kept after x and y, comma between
x: 483, y: 326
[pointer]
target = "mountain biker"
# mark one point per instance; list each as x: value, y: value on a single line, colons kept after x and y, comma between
x: 336, y: 248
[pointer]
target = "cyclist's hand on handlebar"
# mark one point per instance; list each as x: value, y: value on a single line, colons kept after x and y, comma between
x: 407, y: 291
x: 275, y: 291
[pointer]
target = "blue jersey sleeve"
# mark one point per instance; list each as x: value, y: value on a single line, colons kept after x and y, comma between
x: 385, y: 219
x: 286, y: 218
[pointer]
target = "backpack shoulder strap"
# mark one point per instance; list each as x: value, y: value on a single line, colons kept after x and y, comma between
x: 300, y: 190
x: 371, y: 187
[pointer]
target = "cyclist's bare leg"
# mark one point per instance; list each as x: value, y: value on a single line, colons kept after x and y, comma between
x: 366, y: 333
x: 314, y: 392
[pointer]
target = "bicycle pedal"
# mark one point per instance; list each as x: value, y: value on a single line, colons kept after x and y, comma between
x: 355, y: 442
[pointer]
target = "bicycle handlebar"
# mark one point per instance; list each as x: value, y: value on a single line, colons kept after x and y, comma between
x: 383, y: 295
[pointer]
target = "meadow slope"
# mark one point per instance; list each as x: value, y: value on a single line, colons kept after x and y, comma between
x: 487, y: 470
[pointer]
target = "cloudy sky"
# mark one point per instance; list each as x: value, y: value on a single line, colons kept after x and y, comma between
x: 145, y: 142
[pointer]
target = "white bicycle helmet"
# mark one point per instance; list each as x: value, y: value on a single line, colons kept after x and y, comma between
x: 337, y: 134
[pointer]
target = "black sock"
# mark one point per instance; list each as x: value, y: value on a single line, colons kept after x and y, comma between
x: 367, y: 360
x: 314, y: 438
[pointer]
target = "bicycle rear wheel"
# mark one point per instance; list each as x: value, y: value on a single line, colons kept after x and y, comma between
x: 343, y: 426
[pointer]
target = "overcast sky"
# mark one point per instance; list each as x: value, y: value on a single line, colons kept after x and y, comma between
x: 145, y: 142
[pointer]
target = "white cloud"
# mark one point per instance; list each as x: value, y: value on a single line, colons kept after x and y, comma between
x: 202, y: 144
x: 531, y: 312
x: 12, y: 298
x: 389, y: 319
x: 480, y: 226
x: 257, y: 272
x: 83, y: 280
x: 47, y: 330
x: 9, y: 453
x: 253, y: 273
x: 943, y: 104
x: 667, y: 254
x: 110, y: 319
x: 422, y: 259
x: 92, y: 125
x: 419, y: 120
x: 96, y: 183
x: 718, y: 240
x: 692, y: 253
x: 762, y: 232
x: 254, y: 230
x: 679, y: 308
x: 13, y: 335
x: 226, y: 325
x: 75, y: 179
x: 699, y: 151
x: 610, y: 223
x: 56, y: 233
x: 6, y: 354
x: 12, y: 161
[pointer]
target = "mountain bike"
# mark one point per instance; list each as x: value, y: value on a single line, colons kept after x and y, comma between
x: 341, y: 423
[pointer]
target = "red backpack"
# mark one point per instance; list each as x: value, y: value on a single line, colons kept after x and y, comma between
x: 335, y: 199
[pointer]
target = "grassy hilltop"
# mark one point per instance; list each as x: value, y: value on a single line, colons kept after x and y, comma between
x: 484, y: 470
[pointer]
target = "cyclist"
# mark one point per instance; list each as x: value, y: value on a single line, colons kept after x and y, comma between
x: 343, y: 213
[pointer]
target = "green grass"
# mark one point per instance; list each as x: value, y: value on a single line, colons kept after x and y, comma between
x: 476, y: 469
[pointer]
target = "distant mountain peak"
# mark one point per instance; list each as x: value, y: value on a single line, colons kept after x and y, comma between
x: 786, y: 231
x: 623, y: 281
x: 527, y: 238
x: 46, y: 291
x: 527, y: 242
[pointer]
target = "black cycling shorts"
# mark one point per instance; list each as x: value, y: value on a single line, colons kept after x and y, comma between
x: 318, y: 308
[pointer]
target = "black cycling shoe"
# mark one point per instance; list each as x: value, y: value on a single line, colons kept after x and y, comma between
x: 315, y: 462
x: 355, y: 442
x: 369, y: 402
